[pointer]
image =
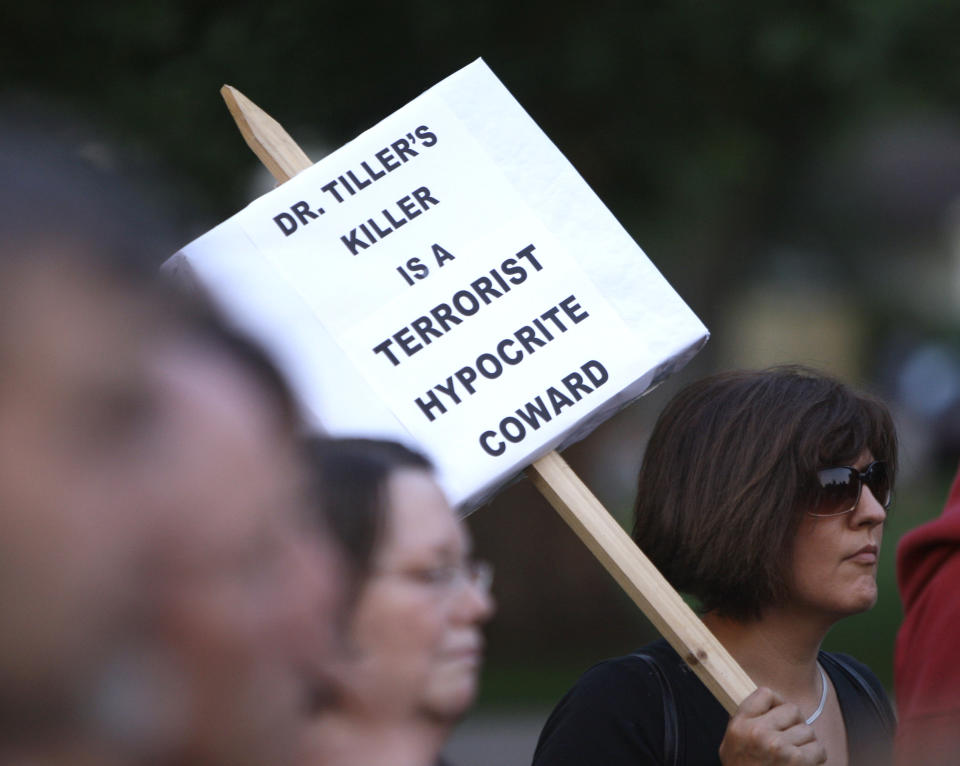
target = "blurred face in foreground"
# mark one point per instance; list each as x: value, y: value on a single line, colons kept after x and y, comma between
x: 248, y: 592
x: 415, y: 638
x: 76, y: 440
x: 158, y: 588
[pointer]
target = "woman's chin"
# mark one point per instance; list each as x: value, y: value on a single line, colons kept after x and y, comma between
x: 452, y: 700
x: 862, y: 599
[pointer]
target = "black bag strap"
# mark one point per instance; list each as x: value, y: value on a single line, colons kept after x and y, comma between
x: 671, y: 718
x: 881, y: 707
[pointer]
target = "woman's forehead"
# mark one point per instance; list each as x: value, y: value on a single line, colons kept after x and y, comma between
x: 419, y: 518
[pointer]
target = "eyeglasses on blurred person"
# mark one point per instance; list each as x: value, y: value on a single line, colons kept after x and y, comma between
x: 412, y: 641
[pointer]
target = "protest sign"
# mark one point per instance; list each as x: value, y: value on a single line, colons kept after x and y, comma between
x: 553, y: 477
x: 447, y: 279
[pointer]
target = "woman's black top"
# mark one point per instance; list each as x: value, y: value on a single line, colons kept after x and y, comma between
x: 650, y: 708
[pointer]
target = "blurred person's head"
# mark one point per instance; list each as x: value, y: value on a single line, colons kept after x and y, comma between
x: 247, y: 583
x: 159, y: 586
x: 76, y: 416
x: 68, y: 188
x: 161, y: 583
x: 413, y: 643
x: 77, y: 413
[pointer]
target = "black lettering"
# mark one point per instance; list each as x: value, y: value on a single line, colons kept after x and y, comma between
x: 445, y: 316
x: 485, y: 360
x: 458, y: 300
x: 422, y: 195
x: 527, y: 253
x: 517, y: 425
x: 366, y: 231
x: 485, y: 444
x: 395, y: 224
x: 385, y: 157
x: 449, y: 390
x: 544, y: 330
x: 484, y: 288
x: 575, y: 385
x: 346, y: 186
x: 528, y: 339
x: 558, y: 400
x: 303, y: 211
x: 514, y: 271
x: 402, y: 148
x: 570, y: 308
x: 418, y: 268
x: 502, y: 351
x: 331, y: 187
x: 466, y: 376
x: 380, y: 232
x: 407, y: 342
x: 427, y: 406
x: 500, y: 280
x: 353, y: 242
x: 384, y: 348
x: 534, y: 413
x: 405, y: 275
x: 286, y: 223
x: 357, y: 182
x: 406, y: 205
x: 425, y: 329
x: 551, y: 314
x: 596, y: 372
x: 374, y: 174
x: 424, y: 134
x: 440, y: 254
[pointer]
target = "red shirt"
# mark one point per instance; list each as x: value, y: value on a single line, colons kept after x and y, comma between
x: 927, y: 654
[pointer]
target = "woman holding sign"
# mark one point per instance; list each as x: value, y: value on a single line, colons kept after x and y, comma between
x: 763, y: 495
x: 413, y: 643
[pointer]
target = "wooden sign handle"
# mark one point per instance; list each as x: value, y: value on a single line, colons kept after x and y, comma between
x: 601, y: 533
x: 642, y: 581
x: 265, y: 136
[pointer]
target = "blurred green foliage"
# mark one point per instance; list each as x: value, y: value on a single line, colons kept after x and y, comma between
x: 694, y: 121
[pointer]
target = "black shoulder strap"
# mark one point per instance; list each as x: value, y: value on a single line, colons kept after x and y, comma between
x: 880, y: 706
x: 671, y: 723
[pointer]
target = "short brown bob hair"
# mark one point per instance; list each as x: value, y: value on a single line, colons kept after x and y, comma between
x: 730, y: 469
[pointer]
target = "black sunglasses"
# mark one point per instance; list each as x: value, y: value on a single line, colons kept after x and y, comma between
x: 840, y: 488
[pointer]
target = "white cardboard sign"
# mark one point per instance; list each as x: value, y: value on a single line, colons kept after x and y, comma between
x: 448, y: 280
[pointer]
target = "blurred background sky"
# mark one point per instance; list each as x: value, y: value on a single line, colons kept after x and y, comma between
x: 792, y: 168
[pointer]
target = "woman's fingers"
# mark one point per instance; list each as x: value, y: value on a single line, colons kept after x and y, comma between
x: 758, y: 703
x: 783, y: 716
x: 798, y: 735
x: 768, y: 731
x: 813, y: 753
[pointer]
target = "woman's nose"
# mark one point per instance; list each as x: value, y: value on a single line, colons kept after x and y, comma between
x: 475, y: 601
x: 869, y: 510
